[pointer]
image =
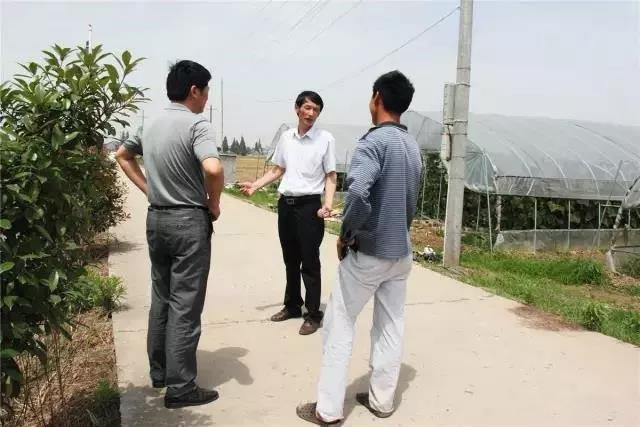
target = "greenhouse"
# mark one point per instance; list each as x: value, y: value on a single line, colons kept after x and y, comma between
x: 582, y: 173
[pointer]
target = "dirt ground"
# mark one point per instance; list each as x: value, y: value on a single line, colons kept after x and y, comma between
x: 85, y: 361
x: 249, y: 168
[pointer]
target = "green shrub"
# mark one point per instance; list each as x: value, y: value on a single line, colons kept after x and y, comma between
x: 632, y: 323
x: 105, y: 393
x: 594, y: 315
x: 95, y: 291
x: 58, y: 188
x: 104, y: 410
x: 586, y: 271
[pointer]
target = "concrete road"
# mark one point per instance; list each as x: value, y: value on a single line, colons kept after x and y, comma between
x: 472, y: 358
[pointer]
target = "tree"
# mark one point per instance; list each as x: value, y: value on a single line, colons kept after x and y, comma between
x: 59, y: 189
x: 243, y: 147
x: 225, y: 145
x: 257, y: 148
x: 235, y: 147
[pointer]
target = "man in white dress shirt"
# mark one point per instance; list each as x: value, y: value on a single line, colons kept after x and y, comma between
x: 305, y: 160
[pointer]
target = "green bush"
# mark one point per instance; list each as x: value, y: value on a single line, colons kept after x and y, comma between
x: 631, y: 322
x: 104, y: 410
x: 95, y: 291
x: 105, y: 393
x: 58, y: 187
x: 594, y: 315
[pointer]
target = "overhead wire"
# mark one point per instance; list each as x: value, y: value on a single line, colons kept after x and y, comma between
x: 377, y: 61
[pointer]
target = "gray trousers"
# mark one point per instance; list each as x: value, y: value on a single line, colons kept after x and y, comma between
x: 180, y: 251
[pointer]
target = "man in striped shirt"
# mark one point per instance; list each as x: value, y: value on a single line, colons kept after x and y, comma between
x: 374, y: 249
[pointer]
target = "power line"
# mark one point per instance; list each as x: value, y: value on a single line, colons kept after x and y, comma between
x: 259, y: 21
x: 377, y: 61
x: 265, y: 6
x: 388, y: 54
x: 306, y: 44
x: 318, y: 10
x: 316, y: 6
x: 325, y: 29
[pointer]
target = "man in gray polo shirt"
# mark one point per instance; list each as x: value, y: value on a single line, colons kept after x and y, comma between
x: 184, y: 178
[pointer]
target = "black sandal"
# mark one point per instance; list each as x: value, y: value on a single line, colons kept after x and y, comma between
x: 307, y: 411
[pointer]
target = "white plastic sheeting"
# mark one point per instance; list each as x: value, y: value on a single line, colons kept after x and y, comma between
x: 632, y: 200
x: 541, y: 157
x: 526, y: 156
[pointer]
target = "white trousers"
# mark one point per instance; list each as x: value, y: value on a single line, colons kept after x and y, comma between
x: 360, y: 277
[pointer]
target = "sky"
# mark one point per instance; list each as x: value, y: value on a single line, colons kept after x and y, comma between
x: 573, y: 59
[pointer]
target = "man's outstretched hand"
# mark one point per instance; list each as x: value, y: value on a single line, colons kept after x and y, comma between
x: 247, y: 188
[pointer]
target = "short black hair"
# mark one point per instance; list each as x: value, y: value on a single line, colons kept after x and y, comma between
x: 308, y: 95
x: 396, y: 91
x: 183, y: 75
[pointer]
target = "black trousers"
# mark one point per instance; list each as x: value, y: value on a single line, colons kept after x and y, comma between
x: 301, y: 233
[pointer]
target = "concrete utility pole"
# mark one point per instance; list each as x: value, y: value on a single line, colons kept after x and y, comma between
x: 455, y: 192
x: 210, y: 113
x: 222, y: 109
x: 90, y: 41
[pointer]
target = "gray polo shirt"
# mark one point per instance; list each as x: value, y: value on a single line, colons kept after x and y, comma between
x: 173, y: 148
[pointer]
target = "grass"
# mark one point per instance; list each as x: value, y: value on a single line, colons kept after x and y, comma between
x: 565, y: 270
x: 578, y: 290
x: 267, y: 198
x: 94, y: 290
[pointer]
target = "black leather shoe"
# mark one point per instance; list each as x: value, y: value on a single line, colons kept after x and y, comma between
x: 284, y: 314
x: 158, y: 384
x: 199, y: 396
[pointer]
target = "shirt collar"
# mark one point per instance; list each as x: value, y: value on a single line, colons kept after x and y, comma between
x: 311, y: 133
x: 385, y: 124
x: 177, y: 106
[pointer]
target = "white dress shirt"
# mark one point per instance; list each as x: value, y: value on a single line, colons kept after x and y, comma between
x: 307, y: 159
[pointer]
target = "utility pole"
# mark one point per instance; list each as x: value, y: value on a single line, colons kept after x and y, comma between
x: 142, y: 126
x: 222, y: 109
x: 210, y: 113
x: 455, y: 192
x: 90, y: 41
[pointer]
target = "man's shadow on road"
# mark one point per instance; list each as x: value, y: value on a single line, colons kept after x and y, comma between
x: 221, y: 366
x: 145, y: 405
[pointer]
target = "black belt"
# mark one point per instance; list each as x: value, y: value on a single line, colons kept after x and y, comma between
x: 294, y: 200
x: 172, y: 207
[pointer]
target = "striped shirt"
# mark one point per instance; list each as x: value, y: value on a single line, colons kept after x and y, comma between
x: 382, y: 194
